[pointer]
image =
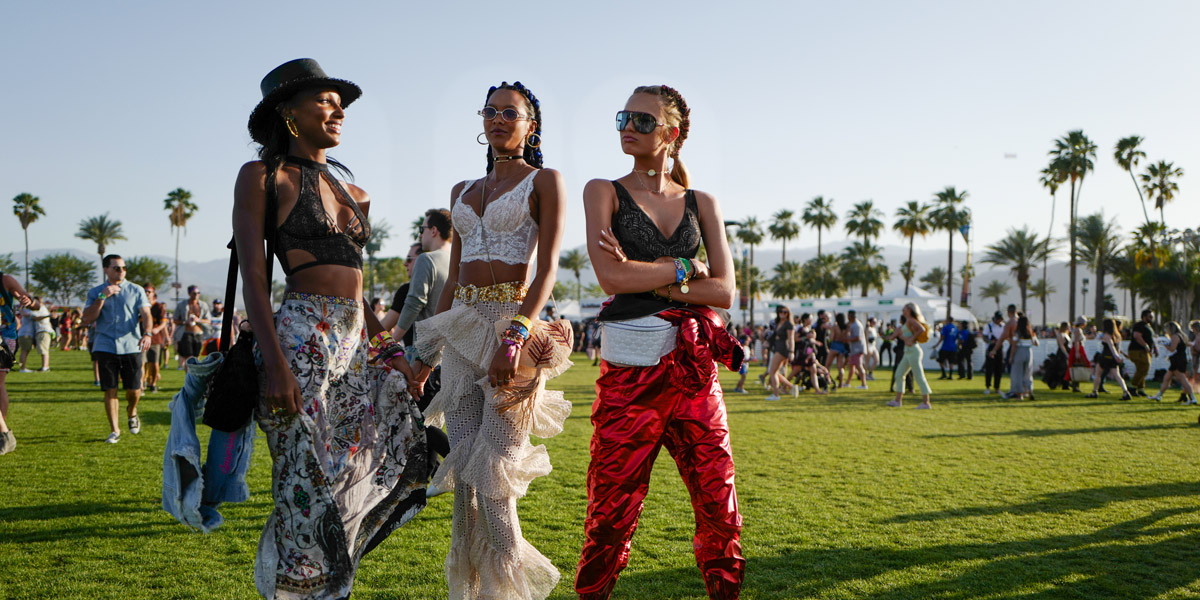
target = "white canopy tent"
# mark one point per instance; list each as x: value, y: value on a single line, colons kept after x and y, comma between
x: 885, y: 307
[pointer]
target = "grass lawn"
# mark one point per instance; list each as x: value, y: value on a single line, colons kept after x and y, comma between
x: 842, y: 497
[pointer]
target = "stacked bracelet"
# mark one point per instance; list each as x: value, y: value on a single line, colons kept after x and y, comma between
x: 382, y: 339
x: 390, y: 351
x: 523, y: 320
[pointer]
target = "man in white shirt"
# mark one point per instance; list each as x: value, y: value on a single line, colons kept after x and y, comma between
x: 35, y: 333
x: 993, y: 358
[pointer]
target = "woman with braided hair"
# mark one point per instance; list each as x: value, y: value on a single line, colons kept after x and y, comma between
x: 496, y: 354
x: 658, y: 380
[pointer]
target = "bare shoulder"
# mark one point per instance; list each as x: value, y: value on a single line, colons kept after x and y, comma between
x: 705, y: 199
x: 547, y: 180
x: 360, y: 195
x: 255, y: 170
x: 599, y: 188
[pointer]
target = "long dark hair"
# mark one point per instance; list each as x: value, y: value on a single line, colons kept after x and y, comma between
x: 532, y: 155
x: 1023, y: 328
x: 275, y: 149
x: 1107, y: 326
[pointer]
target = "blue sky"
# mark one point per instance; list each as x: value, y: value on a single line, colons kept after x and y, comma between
x: 112, y: 105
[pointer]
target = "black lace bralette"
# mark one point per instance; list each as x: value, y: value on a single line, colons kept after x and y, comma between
x: 641, y: 239
x: 310, y: 228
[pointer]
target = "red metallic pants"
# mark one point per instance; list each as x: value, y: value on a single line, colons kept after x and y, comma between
x: 637, y: 411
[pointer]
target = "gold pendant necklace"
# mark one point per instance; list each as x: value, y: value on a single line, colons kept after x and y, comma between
x: 651, y: 173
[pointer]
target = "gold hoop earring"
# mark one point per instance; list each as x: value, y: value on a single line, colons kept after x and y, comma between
x: 479, y: 139
x: 291, y: 125
x: 531, y: 138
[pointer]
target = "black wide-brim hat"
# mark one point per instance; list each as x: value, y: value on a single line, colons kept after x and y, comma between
x: 285, y: 81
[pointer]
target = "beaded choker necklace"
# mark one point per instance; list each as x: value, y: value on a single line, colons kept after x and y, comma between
x: 505, y: 158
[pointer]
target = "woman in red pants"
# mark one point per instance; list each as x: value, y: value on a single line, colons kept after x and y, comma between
x: 658, y: 383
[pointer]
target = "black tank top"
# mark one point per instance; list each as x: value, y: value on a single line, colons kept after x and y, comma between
x: 309, y: 228
x: 642, y: 241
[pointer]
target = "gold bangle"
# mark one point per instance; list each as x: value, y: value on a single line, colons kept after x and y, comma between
x: 669, y: 293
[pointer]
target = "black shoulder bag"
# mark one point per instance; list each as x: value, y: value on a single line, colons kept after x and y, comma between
x: 233, y: 390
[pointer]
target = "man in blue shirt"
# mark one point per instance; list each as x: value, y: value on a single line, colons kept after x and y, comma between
x: 948, y: 351
x: 118, y: 307
x: 966, y: 350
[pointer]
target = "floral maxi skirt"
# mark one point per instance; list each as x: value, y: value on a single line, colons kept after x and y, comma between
x: 348, y: 469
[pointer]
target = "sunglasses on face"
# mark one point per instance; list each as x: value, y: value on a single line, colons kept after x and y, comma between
x: 118, y: 267
x: 642, y: 122
x: 508, y: 114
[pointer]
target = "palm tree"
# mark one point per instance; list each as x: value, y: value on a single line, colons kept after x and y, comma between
x: 103, y: 232
x: 1041, y: 289
x: 994, y: 290
x: 27, y: 210
x: 863, y: 220
x: 750, y: 233
x: 380, y: 232
x: 575, y: 261
x: 935, y: 278
x: 180, y: 208
x: 1020, y: 250
x: 1127, y: 154
x: 1053, y: 176
x: 1126, y: 269
x: 788, y: 279
x: 822, y: 277
x: 912, y: 220
x: 818, y: 214
x: 950, y: 216
x: 1157, y: 181
x: 1099, y: 243
x: 1073, y: 153
x: 862, y: 265
x: 784, y: 227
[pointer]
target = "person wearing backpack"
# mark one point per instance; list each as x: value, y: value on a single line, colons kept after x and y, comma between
x: 913, y: 333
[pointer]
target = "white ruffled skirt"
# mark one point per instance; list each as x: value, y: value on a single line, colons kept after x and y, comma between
x: 491, y: 461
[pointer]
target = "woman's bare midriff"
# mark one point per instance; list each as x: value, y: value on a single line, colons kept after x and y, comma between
x: 328, y: 280
x: 477, y: 273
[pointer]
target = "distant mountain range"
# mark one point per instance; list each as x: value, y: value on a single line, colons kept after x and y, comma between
x: 210, y: 275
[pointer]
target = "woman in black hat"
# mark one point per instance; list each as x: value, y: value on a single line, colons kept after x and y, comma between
x: 346, y: 439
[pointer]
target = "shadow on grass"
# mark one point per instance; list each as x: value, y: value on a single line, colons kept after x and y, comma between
x: 1059, y: 502
x: 1107, y: 563
x: 1074, y: 431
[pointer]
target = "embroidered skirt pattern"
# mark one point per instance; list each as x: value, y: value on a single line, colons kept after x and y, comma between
x: 491, y: 460
x: 348, y: 469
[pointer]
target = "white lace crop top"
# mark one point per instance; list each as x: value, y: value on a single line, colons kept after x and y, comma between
x: 511, y: 233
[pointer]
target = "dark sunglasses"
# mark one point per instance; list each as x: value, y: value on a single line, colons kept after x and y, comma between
x: 642, y: 122
x: 118, y: 267
x: 508, y: 114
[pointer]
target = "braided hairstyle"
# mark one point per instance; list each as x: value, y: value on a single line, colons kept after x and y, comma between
x: 677, y: 114
x: 532, y: 155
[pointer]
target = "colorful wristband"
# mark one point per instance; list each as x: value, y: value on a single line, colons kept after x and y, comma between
x: 523, y: 320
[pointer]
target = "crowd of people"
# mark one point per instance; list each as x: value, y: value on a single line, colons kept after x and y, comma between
x: 116, y: 316
x: 354, y: 394
x: 839, y: 344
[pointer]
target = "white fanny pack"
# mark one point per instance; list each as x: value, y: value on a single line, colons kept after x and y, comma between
x: 638, y: 342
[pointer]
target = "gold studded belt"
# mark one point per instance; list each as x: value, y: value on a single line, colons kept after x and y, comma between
x: 509, y: 291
